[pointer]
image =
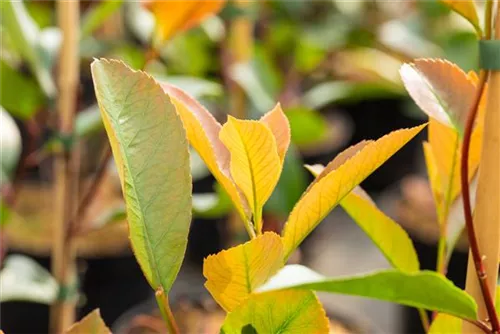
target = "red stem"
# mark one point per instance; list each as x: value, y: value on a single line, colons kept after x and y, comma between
x: 471, y: 233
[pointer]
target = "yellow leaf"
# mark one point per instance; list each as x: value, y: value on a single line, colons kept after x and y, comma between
x: 203, y: 134
x: 434, y: 178
x: 280, y: 127
x: 441, y: 89
x: 92, y: 323
x: 465, y: 8
x: 325, y: 194
x: 278, y: 312
x: 173, y: 16
x: 233, y: 274
x: 255, y: 163
x: 388, y: 236
x: 445, y: 324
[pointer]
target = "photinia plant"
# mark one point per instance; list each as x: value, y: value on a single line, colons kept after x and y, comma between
x: 149, y: 126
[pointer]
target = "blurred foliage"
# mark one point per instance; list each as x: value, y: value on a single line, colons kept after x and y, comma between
x: 312, y: 56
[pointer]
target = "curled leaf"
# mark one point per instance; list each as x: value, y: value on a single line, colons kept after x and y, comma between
x: 280, y: 128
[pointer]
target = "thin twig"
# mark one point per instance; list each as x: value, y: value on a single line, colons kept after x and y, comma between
x: 479, y: 324
x: 75, y: 225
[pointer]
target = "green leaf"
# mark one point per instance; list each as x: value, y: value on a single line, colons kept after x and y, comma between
x: 151, y: 152
x: 13, y: 85
x: 387, y: 235
x: 4, y: 211
x: 278, y: 312
x: 97, y: 15
x: 423, y: 289
x: 24, y: 34
x: 291, y: 185
x: 23, y: 279
x: 307, y: 126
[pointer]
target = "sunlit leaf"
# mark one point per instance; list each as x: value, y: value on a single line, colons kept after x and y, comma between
x: 445, y: 324
x: 233, y: 274
x: 255, y: 163
x: 203, y: 134
x: 175, y: 16
x: 145, y: 134
x: 280, y: 128
x: 466, y: 8
x: 441, y: 89
x: 325, y: 194
x: 92, y: 323
x: 388, y: 236
x: 23, y: 279
x: 279, y: 312
x: 422, y: 289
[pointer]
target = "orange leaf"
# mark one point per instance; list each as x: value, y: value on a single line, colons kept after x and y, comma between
x: 174, y: 16
x: 466, y: 9
x: 203, y: 134
x: 441, y: 89
x: 280, y: 127
x: 233, y: 274
x: 92, y: 323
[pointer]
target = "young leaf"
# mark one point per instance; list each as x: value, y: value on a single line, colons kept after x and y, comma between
x: 233, y: 274
x: 423, y: 289
x: 92, y: 323
x: 445, y: 324
x: 466, y: 9
x: 203, y: 134
x: 175, y: 16
x: 388, y: 236
x: 151, y: 151
x: 278, y: 312
x: 325, y: 194
x: 255, y: 163
x: 280, y: 128
x: 441, y: 89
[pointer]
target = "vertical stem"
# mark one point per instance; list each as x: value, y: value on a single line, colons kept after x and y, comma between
x: 166, y: 312
x: 66, y: 168
x: 482, y: 272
